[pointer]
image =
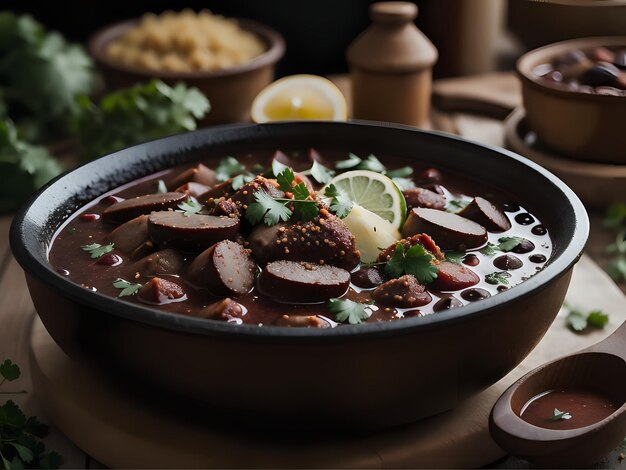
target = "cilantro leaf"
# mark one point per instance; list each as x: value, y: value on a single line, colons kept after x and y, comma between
x: 137, y: 114
x: 508, y: 243
x: 321, y: 174
x: 402, y: 172
x: 189, y: 207
x: 24, y: 452
x: 579, y: 321
x: 228, y: 168
x: 559, y: 416
x: 96, y: 250
x: 489, y: 249
x: 454, y: 256
x: 9, y: 371
x: 128, y: 288
x: 576, y: 320
x: 403, y: 183
x: 498, y: 277
x: 597, y: 319
x: 266, y: 208
x: 416, y: 261
x: 331, y: 191
x: 285, y: 179
x: 161, y: 188
x: 305, y: 210
x: 347, y: 311
x: 277, y: 167
x: 351, y: 162
x: 240, y: 180
x: 340, y: 204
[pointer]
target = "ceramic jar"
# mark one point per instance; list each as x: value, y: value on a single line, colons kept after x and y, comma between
x: 391, y: 67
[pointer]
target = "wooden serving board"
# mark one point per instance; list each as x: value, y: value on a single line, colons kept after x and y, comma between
x: 124, y: 433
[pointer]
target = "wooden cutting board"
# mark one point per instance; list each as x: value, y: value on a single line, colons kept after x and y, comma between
x: 125, y: 433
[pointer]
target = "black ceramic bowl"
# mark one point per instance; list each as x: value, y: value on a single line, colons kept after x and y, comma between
x: 368, y: 375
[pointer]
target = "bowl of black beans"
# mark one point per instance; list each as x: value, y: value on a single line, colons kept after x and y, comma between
x: 574, y: 95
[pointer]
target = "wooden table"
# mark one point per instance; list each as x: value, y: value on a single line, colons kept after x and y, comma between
x: 17, y: 311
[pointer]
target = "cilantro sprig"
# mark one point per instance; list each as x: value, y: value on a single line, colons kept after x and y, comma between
x: 579, y: 321
x: 128, y: 288
x: 267, y: 209
x: 340, y: 203
x: 348, y: 311
x: 505, y: 244
x: 559, y: 416
x: 96, y: 250
x: 189, y: 207
x: 20, y: 436
x: 415, y: 260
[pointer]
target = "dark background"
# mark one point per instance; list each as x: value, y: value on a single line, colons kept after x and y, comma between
x: 317, y: 32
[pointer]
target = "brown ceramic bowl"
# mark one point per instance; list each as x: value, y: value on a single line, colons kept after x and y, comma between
x: 358, y: 376
x: 577, y: 125
x: 230, y: 91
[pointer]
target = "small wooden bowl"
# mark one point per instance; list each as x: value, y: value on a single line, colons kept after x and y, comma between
x: 597, y: 184
x: 230, y: 91
x: 578, y: 125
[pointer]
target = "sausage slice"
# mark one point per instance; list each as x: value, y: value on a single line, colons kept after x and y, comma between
x: 450, y: 231
x: 452, y: 276
x: 167, y: 261
x: 190, y: 233
x: 198, y: 174
x: 131, y: 208
x: 130, y: 235
x: 303, y: 321
x: 486, y: 214
x: 159, y: 291
x: 290, y: 281
x: 403, y: 292
x: 193, y: 189
x: 220, y: 190
x: 225, y: 269
x: 225, y: 310
x: 421, y: 197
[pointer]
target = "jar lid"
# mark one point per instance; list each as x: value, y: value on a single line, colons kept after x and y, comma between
x: 392, y: 44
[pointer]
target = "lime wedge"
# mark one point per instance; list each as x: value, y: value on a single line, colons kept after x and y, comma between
x: 374, y: 192
x: 371, y: 232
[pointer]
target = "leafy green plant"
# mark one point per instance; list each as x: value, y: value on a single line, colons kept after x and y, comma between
x: 20, y: 436
x: 23, y: 167
x: 616, y: 220
x: 348, y: 311
x: 41, y: 74
x: 137, y: 114
x: 579, y: 321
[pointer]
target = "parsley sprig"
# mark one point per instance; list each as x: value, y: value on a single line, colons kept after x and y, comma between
x: 128, y: 288
x: 415, y: 260
x: 579, y: 321
x: 340, y: 203
x: 559, y: 416
x: 189, y: 207
x: 348, y: 311
x: 20, y: 436
x: 96, y: 250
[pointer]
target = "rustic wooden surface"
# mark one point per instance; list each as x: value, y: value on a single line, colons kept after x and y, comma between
x: 17, y: 312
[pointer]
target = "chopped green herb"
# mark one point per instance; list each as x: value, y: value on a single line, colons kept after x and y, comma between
x: 559, y: 416
x: 354, y: 162
x: 240, y: 180
x: 96, y: 250
x: 508, y: 243
x: 454, y: 256
x: 277, y: 167
x: 228, y: 168
x: 340, y: 204
x: 403, y: 183
x: 267, y: 209
x: 501, y: 277
x: 9, y: 371
x: 128, y: 288
x: 402, y: 172
x: 416, y: 261
x: 189, y: 207
x: 347, y: 311
x: 489, y: 249
x: 321, y: 174
x: 350, y: 163
x: 579, y: 321
x: 161, y: 188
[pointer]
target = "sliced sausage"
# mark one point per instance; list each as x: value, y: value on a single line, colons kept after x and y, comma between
x: 290, y: 281
x: 224, y: 190
x: 225, y: 269
x: 323, y: 240
x: 450, y: 231
x: 421, y: 197
x: 486, y: 214
x: 403, y: 292
x: 367, y: 278
x: 131, y: 208
x: 452, y: 276
x: 159, y: 291
x: 420, y: 239
x: 130, y: 235
x: 167, y: 261
x: 303, y: 321
x: 244, y: 196
x: 190, y: 233
x: 193, y: 189
x: 198, y: 174
x: 225, y: 310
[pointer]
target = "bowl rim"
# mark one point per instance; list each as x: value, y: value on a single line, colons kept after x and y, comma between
x: 44, y: 272
x: 103, y: 36
x: 528, y: 61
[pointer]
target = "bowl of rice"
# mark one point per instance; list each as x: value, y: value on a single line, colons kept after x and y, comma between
x: 229, y: 59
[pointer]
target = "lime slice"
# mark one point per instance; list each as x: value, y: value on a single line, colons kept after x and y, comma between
x: 374, y: 192
x: 371, y: 232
